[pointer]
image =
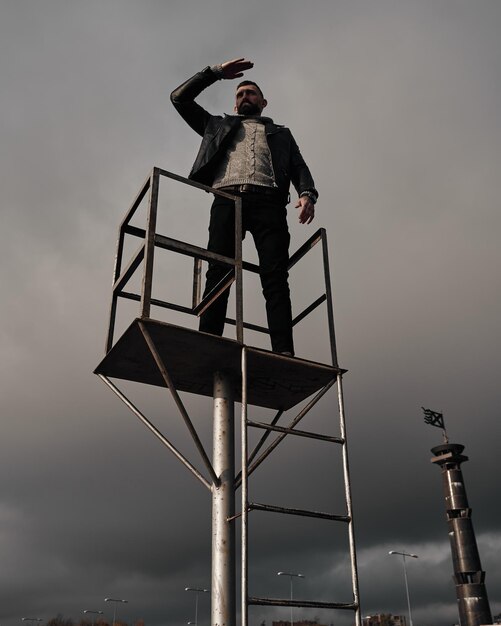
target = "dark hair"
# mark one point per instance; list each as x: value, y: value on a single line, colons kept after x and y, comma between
x: 250, y: 82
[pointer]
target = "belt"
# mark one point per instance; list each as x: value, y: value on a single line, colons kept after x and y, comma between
x: 265, y: 191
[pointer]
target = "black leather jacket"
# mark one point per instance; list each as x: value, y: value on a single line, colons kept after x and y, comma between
x: 216, y: 130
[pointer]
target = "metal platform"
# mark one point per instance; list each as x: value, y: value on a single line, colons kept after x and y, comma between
x: 191, y: 357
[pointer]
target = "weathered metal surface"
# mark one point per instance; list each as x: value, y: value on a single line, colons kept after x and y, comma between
x: 224, y: 284
x: 352, y: 606
x: 328, y: 291
x: 305, y: 248
x: 473, y: 604
x: 255, y: 506
x: 316, y: 303
x: 151, y: 239
x: 197, y: 282
x: 239, y: 305
x: 188, y: 249
x: 244, y: 561
x: 179, y: 403
x: 149, y: 245
x: 132, y: 266
x: 274, y: 381
x: 296, y: 432
x: 136, y: 202
x: 471, y: 593
x: 304, y: 411
x: 264, y: 438
x: 223, y: 504
x: 349, y: 503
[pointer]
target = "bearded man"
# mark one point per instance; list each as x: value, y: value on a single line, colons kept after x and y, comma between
x: 250, y: 156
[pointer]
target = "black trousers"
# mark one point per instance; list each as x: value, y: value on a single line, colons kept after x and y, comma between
x: 266, y: 219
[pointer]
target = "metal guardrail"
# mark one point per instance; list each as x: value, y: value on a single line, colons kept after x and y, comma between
x: 145, y: 253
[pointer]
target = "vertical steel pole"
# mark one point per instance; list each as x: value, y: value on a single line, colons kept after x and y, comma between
x: 114, y: 297
x: 407, y: 591
x: 223, y: 505
x: 239, y: 313
x: 245, y: 496
x: 328, y: 293
x: 149, y: 251
x: 349, y: 505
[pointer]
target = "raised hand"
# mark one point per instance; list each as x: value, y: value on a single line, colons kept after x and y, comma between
x: 235, y: 68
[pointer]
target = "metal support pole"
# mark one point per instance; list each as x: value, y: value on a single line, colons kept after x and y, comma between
x: 328, y: 292
x: 150, y: 245
x: 407, y: 591
x: 349, y: 505
x: 239, y: 314
x: 223, y: 505
x: 245, y: 497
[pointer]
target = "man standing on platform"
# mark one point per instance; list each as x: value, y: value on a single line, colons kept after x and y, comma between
x: 248, y: 155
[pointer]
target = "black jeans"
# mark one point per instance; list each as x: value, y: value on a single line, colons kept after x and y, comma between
x: 266, y: 219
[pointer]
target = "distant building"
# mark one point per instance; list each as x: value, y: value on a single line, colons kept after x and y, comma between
x: 384, y: 619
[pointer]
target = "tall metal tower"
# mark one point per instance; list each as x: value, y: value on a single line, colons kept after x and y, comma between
x: 468, y: 577
x: 155, y: 352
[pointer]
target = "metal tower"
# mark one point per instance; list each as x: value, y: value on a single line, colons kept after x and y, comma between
x: 468, y: 576
x: 180, y: 359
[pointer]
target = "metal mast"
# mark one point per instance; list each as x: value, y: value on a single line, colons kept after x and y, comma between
x: 468, y: 577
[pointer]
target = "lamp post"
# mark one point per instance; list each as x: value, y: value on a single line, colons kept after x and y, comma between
x: 94, y: 612
x: 197, y: 590
x: 413, y: 556
x: 115, y: 602
x: 291, y: 576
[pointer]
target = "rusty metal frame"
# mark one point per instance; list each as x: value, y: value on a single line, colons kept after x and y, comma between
x: 250, y: 461
x: 152, y: 240
x: 145, y: 255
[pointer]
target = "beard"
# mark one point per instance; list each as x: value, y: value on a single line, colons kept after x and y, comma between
x: 247, y: 108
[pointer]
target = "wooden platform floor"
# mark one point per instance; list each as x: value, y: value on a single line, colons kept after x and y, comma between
x: 191, y: 358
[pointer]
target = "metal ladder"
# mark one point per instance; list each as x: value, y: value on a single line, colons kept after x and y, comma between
x: 251, y: 461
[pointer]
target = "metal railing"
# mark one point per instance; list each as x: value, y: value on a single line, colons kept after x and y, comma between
x: 150, y: 240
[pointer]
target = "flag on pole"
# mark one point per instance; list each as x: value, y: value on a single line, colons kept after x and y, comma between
x: 433, y: 418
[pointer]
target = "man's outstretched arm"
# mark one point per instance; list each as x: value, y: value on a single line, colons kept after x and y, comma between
x: 183, y: 97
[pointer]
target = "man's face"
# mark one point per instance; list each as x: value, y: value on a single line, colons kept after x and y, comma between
x: 249, y: 101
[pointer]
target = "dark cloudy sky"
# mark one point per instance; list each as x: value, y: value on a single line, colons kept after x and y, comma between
x: 395, y: 104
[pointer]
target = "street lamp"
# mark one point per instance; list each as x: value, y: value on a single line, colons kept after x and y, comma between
x: 413, y: 556
x: 291, y: 576
x: 115, y: 601
x: 94, y: 612
x: 197, y: 590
